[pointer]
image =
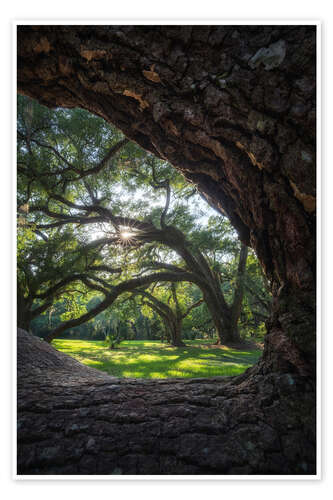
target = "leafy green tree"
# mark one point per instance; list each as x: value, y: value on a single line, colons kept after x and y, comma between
x: 171, y: 304
x: 46, y: 269
x: 134, y: 233
x: 70, y: 183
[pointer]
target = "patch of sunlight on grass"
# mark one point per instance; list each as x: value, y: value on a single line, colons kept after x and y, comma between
x: 149, y: 357
x: 158, y: 375
x: 153, y: 359
x: 133, y: 374
x: 208, y: 355
x: 176, y: 373
x: 190, y: 363
x: 91, y: 362
x: 125, y: 361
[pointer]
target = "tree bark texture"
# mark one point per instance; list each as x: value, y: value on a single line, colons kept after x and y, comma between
x: 77, y: 420
x: 233, y: 108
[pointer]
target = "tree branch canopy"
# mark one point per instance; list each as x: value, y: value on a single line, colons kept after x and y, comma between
x: 116, y: 291
x: 81, y: 173
x: 232, y: 107
x: 176, y: 130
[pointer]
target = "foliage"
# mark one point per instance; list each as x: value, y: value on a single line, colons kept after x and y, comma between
x: 69, y: 159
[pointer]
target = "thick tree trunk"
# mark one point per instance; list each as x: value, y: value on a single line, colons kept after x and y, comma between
x: 166, y: 331
x: 225, y: 317
x: 77, y: 420
x: 208, y: 282
x: 23, y: 320
x: 227, y: 328
x: 236, y: 307
x: 176, y: 333
x: 228, y: 333
x: 172, y: 322
x: 23, y: 312
x: 220, y: 316
x: 233, y: 108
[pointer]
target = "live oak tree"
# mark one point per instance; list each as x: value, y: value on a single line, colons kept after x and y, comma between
x: 171, y: 309
x: 234, y: 109
x: 133, y: 233
x: 63, y: 173
x: 47, y: 268
x: 111, y: 291
x: 53, y: 269
x: 53, y: 150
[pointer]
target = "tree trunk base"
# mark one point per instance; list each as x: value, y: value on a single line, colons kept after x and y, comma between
x: 232, y: 343
x: 76, y: 420
x: 178, y: 344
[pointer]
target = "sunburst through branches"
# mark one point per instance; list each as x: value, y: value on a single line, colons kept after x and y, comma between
x: 126, y: 236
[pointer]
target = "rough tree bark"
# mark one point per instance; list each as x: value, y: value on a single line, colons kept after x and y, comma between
x: 77, y: 420
x: 233, y: 108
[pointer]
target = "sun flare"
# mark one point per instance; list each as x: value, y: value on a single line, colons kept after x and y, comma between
x: 126, y: 235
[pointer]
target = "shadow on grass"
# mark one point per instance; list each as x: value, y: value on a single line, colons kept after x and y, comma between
x: 152, y: 359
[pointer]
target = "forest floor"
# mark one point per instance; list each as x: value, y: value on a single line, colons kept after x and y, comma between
x: 153, y: 359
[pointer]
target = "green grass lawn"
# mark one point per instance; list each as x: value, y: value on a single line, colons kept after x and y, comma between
x: 152, y: 359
